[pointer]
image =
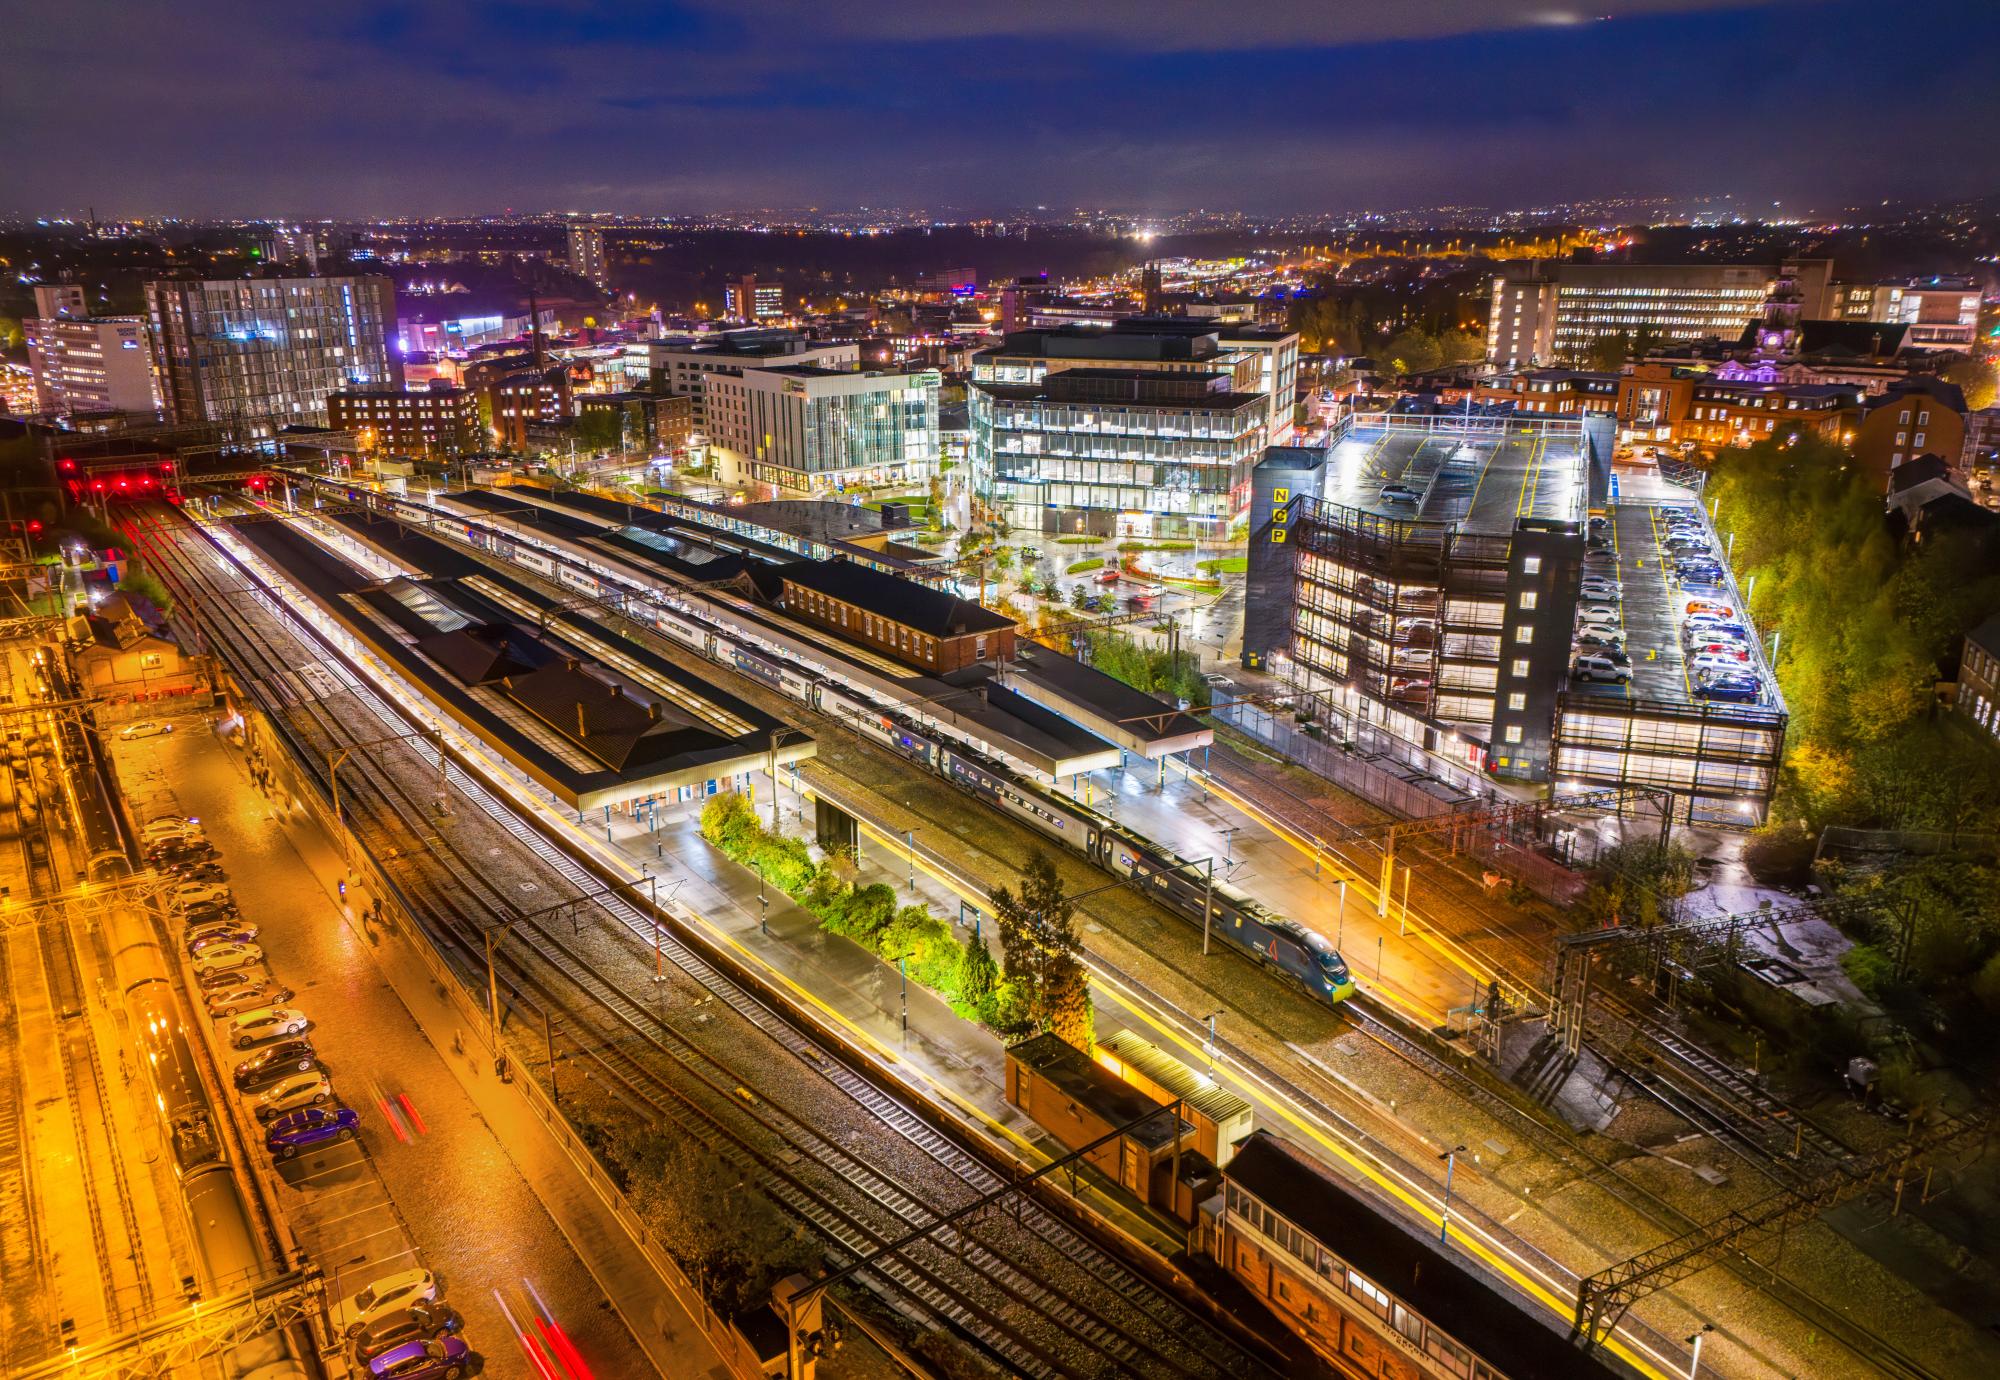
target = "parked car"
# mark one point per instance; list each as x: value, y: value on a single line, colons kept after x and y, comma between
x: 1739, y: 689
x: 265, y: 1023
x: 1217, y: 682
x: 1411, y: 658
x: 1708, y: 606
x: 1594, y: 636
x: 220, y: 958
x: 1706, y: 624
x: 1597, y: 612
x: 311, y: 1126
x: 300, y: 1088
x: 443, y: 1359
x: 163, y: 827
x: 1603, y: 592
x: 1400, y: 493
x: 418, y: 1322
x: 1409, y: 687
x: 199, y: 893
x: 1717, y: 661
x: 1716, y: 646
x: 1596, y: 666
x: 197, y: 870
x: 275, y: 1061
x: 1109, y: 577
x: 239, y: 993
x: 218, y: 932
x: 145, y: 728
x: 207, y: 914
x: 383, y: 1297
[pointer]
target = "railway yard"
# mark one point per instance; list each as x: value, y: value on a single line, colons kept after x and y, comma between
x: 645, y: 982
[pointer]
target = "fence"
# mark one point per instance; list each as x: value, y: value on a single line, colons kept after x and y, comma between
x: 1393, y: 788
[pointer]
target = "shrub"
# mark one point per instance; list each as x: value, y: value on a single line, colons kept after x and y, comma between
x: 1780, y: 854
x: 1224, y: 565
x: 1085, y: 566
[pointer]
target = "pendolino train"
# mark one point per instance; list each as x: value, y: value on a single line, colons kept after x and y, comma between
x: 1179, y: 885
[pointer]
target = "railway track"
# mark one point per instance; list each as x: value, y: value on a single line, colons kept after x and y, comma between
x: 1022, y: 1284
x: 1765, y: 1132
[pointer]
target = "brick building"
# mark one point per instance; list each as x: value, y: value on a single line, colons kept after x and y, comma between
x: 928, y: 628
x: 1657, y: 402
x: 439, y: 420
x: 1915, y: 416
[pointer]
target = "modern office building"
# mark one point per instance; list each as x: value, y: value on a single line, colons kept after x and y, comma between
x: 747, y: 299
x: 439, y: 420
x: 807, y: 429
x: 1420, y: 579
x: 586, y: 256
x: 266, y: 352
x: 1547, y: 312
x: 684, y: 364
x: 1942, y: 313
x: 1147, y: 427
x: 84, y: 363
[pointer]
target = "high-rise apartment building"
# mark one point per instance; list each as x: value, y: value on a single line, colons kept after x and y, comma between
x: 1149, y: 427
x: 810, y: 429
x: 84, y: 363
x: 747, y: 299
x: 266, y: 352
x: 586, y: 256
x: 1545, y: 312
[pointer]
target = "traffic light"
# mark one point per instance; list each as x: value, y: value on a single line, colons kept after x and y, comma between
x: 34, y: 527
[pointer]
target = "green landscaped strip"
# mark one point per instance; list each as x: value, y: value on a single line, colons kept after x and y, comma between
x: 1224, y: 565
x: 1082, y: 567
x: 1078, y: 541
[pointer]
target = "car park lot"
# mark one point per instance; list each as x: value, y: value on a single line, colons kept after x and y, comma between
x: 1657, y: 606
x: 426, y: 1183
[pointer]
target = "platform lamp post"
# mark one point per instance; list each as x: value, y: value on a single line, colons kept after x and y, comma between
x: 910, y: 839
x: 1450, y: 1158
x: 903, y: 973
x: 1209, y: 1021
x: 1694, y: 1362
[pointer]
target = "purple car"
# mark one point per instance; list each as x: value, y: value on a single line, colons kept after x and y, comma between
x: 443, y: 1359
x: 311, y: 1126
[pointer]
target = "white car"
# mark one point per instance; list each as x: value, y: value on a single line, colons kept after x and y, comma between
x: 1590, y: 666
x: 223, y: 958
x: 1719, y: 661
x: 201, y: 894
x: 168, y: 827
x: 390, y: 1294
x: 1597, y: 613
x: 288, y: 1094
x: 264, y: 1023
x: 145, y: 728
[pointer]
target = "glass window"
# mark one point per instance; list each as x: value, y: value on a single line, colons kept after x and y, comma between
x: 1513, y: 733
x: 1529, y: 599
x: 1520, y: 666
x: 1524, y: 633
x: 1517, y: 700
x: 1531, y: 565
x: 1408, y: 1323
x: 1361, y: 1286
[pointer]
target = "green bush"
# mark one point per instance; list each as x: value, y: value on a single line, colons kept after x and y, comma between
x: 1126, y: 546
x: 1780, y: 854
x: 1084, y: 567
x: 1224, y: 565
x: 1078, y: 540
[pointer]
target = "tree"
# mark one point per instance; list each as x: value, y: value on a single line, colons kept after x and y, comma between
x: 601, y: 428
x: 1412, y: 351
x: 1067, y: 1005
x: 978, y: 975
x: 1608, y: 353
x: 1973, y: 374
x: 1038, y: 938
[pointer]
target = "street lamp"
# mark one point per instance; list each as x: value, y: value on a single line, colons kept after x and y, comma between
x: 1209, y: 1019
x: 910, y: 838
x: 1694, y: 1363
x: 1450, y: 1158
x: 903, y: 972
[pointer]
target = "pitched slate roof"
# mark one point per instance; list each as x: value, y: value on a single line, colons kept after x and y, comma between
x: 1432, y: 1282
x: 597, y: 716
x: 935, y: 612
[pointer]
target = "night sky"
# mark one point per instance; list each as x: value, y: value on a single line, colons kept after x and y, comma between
x: 225, y: 107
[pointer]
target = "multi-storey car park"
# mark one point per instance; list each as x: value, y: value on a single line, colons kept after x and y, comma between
x: 1425, y: 580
